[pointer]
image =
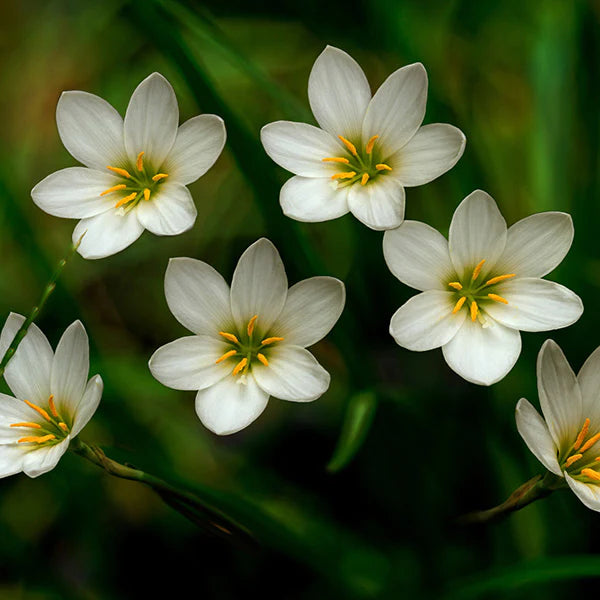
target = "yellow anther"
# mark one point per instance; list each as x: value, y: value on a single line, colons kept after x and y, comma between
x: 477, y: 270
x: 52, y: 405
x: 349, y: 145
x: 474, y: 310
x: 383, y: 167
x: 225, y: 356
x: 456, y: 285
x: 39, y: 410
x: 364, y: 179
x: 63, y: 426
x: 597, y: 458
x: 337, y: 159
x: 370, y: 144
x: 125, y: 200
x: 139, y: 163
x: 500, y: 278
x: 346, y: 175
x: 590, y: 443
x: 572, y: 459
x: 498, y: 298
x: 119, y: 171
x: 240, y: 366
x: 146, y: 194
x: 33, y: 425
x: 271, y: 340
x: 591, y: 474
x: 37, y: 439
x: 263, y: 359
x: 251, y: 324
x: 159, y: 176
x: 229, y: 336
x: 459, y: 304
x: 114, y: 188
x: 581, y: 435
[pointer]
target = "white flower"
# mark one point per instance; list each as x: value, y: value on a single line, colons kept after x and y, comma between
x: 482, y: 287
x: 136, y: 170
x: 249, y: 340
x: 53, y: 400
x: 367, y: 149
x: 567, y: 440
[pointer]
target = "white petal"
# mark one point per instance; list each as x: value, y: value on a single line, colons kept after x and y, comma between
x: 107, y: 233
x: 426, y: 321
x: 378, y: 204
x: 588, y: 493
x: 311, y: 309
x: 535, y: 305
x: 170, y: 211
x: 259, y: 286
x: 483, y: 355
x: 199, y: 142
x: 28, y: 372
x: 537, y: 244
x: 338, y: 92
x: 293, y: 374
x: 198, y: 296
x: 589, y: 384
x: 313, y: 200
x: 11, y: 459
x: 44, y: 459
x: 418, y: 256
x: 560, y: 397
x: 151, y: 121
x: 74, y: 193
x: 301, y: 148
x: 189, y: 363
x: 397, y: 108
x: 88, y: 404
x: 16, y: 411
x: 477, y: 232
x: 91, y: 129
x: 432, y: 151
x: 534, y: 431
x: 230, y: 405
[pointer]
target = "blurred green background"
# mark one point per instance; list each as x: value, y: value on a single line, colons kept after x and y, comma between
x: 521, y: 79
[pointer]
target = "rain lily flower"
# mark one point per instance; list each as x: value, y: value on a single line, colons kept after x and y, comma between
x: 366, y: 151
x: 567, y: 440
x: 250, y: 340
x: 481, y: 287
x: 136, y: 170
x: 53, y: 400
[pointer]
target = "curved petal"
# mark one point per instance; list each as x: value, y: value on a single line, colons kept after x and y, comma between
x: 339, y: 93
x: 151, y: 121
x: 170, y: 211
x: 16, y: 411
x: 311, y: 309
x: 432, y: 151
x: 426, y: 321
x: 537, y: 244
x: 589, y: 385
x: 483, y: 355
x: 477, y: 232
x: 11, y: 459
x: 41, y: 460
x: 418, y: 256
x: 107, y: 233
x: 88, y: 405
x: 380, y: 204
x: 198, y: 296
x: 300, y: 148
x: 230, y: 405
x: 199, y: 142
x: 535, y: 305
x: 588, y: 493
x: 259, y: 286
x: 28, y: 372
x: 313, y: 200
x: 189, y: 363
x: 397, y: 108
x: 534, y: 431
x: 90, y: 129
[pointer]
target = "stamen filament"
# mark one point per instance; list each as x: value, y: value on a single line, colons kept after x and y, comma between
x: 32, y: 425
x: 383, y: 167
x: 459, y: 304
x: 590, y: 443
x: 125, y: 200
x: 52, y: 405
x: 251, y: 324
x: 474, y: 310
x: 500, y: 278
x: 498, y: 298
x: 114, y: 188
x: 240, y: 366
x: 370, y: 144
x: 139, y: 163
x: 119, y: 171
x: 229, y: 336
x: 337, y: 159
x: 572, y: 459
x: 477, y: 270
x: 271, y: 340
x: 456, y: 285
x: 37, y: 439
x: 581, y: 435
x: 346, y: 175
x: 159, y: 176
x: 591, y: 474
x: 349, y: 145
x: 225, y: 356
x: 146, y: 194
x: 41, y: 411
x: 364, y: 179
x: 63, y: 426
x: 263, y: 359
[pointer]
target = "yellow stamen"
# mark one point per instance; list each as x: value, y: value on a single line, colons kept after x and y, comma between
x: 139, y: 163
x: 474, y: 310
x: 114, y: 188
x: 581, y: 435
x: 63, y: 426
x: 263, y: 359
x: 500, y: 278
x: 597, y: 458
x: 383, y: 167
x: 349, y: 145
x: 251, y: 324
x: 459, y: 304
x: 37, y: 439
x: 590, y: 443
x: 240, y: 366
x: 591, y: 474
x: 370, y: 144
x: 271, y: 340
x: 364, y: 179
x: 226, y: 356
x: 498, y: 298
x: 52, y: 405
x: 229, y: 336
x: 477, y: 270
x: 146, y: 194
x: 119, y: 171
x: 572, y: 459
x: 456, y: 285
x: 125, y: 200
x: 159, y: 176
x: 337, y: 159
x: 39, y: 410
x: 34, y: 425
x: 346, y: 175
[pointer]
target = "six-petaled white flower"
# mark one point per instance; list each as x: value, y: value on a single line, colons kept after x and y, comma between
x: 367, y: 150
x: 481, y: 287
x: 250, y: 341
x: 136, y: 170
x: 53, y: 398
x: 567, y: 440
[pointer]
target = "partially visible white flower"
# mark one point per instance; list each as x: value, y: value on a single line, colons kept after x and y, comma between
x: 136, y: 171
x: 53, y: 399
x: 250, y: 341
x: 482, y: 287
x: 567, y: 440
x: 367, y: 149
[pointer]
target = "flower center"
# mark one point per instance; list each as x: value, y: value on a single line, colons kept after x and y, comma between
x: 137, y: 186
x: 363, y: 165
x: 573, y: 464
x: 52, y: 429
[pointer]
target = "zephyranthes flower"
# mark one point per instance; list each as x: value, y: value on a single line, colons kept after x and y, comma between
x: 249, y: 340
x: 136, y: 170
x: 367, y: 149
x: 53, y: 399
x: 567, y: 440
x: 482, y: 287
